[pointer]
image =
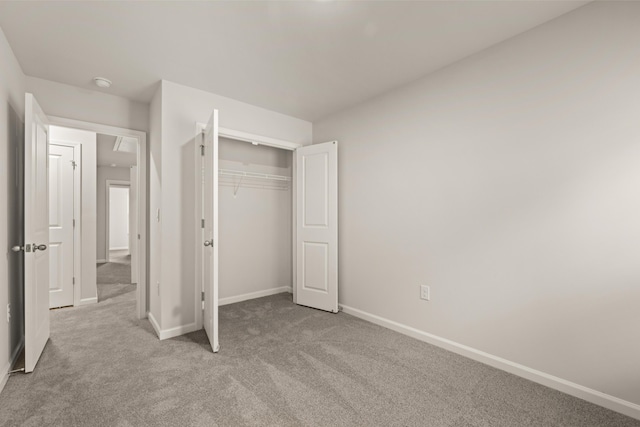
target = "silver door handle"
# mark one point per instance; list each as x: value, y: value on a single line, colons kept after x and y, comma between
x: 39, y: 247
x: 17, y: 248
x: 208, y: 242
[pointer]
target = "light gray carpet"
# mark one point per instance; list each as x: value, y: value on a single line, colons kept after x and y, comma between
x: 279, y: 365
x: 114, y: 277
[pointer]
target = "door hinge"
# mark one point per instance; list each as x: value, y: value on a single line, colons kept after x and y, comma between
x: 74, y: 164
x: 138, y: 237
x: 202, y: 223
x: 202, y: 294
x: 74, y: 223
x: 73, y: 281
x: 202, y: 150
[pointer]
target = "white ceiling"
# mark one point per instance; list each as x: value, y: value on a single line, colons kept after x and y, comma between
x: 107, y: 157
x: 302, y: 58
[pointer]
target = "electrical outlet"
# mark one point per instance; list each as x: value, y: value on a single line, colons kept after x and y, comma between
x: 425, y: 292
x: 8, y: 312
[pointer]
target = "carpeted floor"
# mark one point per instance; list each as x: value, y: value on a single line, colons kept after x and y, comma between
x: 114, y: 277
x: 279, y: 365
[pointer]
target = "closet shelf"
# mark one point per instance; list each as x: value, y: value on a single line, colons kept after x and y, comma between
x: 252, y: 175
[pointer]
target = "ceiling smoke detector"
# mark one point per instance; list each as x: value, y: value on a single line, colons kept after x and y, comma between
x: 102, y: 82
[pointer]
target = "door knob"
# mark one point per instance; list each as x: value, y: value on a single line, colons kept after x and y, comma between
x: 39, y: 247
x: 208, y: 242
x: 17, y: 248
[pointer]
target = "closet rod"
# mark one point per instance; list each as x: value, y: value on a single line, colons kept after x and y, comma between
x: 256, y: 186
x: 243, y: 174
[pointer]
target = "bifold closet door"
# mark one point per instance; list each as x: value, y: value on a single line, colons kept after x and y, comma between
x: 210, y: 243
x: 317, y: 226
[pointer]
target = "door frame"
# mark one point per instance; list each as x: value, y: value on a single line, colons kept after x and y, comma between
x: 142, y: 158
x: 77, y: 197
x: 238, y: 136
x: 107, y: 215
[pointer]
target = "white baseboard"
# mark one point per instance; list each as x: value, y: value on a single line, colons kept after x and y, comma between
x: 12, y: 361
x: 164, y: 334
x: 177, y: 331
x: 119, y: 248
x: 590, y: 395
x: 253, y: 295
x: 154, y: 323
x: 86, y: 301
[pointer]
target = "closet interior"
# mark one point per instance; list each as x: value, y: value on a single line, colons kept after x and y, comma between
x: 255, y: 220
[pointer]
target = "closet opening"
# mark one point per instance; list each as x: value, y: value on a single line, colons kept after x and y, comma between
x: 267, y: 222
x: 255, y: 220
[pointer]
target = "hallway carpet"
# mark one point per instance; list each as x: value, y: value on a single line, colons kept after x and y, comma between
x: 114, y: 277
x: 279, y: 365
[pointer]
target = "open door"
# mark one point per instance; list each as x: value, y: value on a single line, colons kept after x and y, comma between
x: 36, y: 232
x: 317, y: 226
x: 210, y: 249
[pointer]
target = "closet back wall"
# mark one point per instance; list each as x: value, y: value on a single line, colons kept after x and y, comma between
x: 255, y: 224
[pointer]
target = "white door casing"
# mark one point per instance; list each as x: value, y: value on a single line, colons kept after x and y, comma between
x: 210, y: 244
x: 36, y: 232
x: 61, y: 225
x: 199, y: 223
x: 87, y: 219
x: 317, y: 226
x: 133, y: 222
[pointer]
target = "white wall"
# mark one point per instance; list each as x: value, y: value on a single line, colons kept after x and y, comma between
x: 508, y: 182
x: 255, y: 223
x: 181, y: 108
x: 88, y: 206
x: 61, y: 100
x: 11, y: 185
x: 105, y: 173
x: 118, y: 218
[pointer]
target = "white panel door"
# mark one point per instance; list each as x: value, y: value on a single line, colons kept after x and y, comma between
x: 61, y: 237
x: 36, y: 232
x: 210, y: 249
x: 133, y: 222
x: 317, y: 226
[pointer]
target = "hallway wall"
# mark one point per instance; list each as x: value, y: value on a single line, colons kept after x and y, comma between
x: 105, y: 173
x: 118, y: 218
x: 11, y: 185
